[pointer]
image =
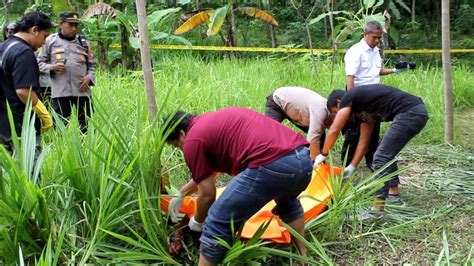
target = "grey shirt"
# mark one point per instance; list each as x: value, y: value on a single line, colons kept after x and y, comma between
x: 305, y: 107
x: 78, y: 60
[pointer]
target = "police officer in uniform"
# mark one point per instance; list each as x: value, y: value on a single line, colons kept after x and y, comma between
x: 69, y: 59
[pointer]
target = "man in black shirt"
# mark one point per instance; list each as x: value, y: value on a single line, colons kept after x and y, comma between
x: 371, y: 104
x: 19, y: 76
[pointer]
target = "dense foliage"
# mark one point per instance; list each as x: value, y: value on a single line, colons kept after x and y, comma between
x: 413, y: 24
x: 94, y: 198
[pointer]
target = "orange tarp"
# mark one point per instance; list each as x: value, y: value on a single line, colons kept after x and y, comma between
x: 313, y: 199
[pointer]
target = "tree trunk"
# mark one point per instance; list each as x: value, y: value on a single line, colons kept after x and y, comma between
x: 413, y: 10
x: 273, y: 36
x: 448, y: 85
x: 101, y: 51
x: 233, y: 28
x: 231, y: 38
x: 333, y: 38
x: 310, y: 43
x: 124, y: 45
x: 306, y: 20
x: 146, y: 59
x: 326, y: 33
x: 385, y: 38
x: 5, y: 4
x: 272, y: 31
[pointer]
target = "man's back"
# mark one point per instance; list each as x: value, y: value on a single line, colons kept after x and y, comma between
x: 19, y: 70
x: 381, y: 101
x: 300, y: 103
x: 234, y: 138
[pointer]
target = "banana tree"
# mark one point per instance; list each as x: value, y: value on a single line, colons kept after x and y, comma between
x: 353, y: 22
x: 157, y: 24
x: 216, y: 18
x: 97, y: 15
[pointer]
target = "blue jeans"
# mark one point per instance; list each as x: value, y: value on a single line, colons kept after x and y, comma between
x: 403, y: 128
x: 281, y: 180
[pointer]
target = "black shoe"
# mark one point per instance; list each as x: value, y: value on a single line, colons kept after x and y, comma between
x: 395, y: 200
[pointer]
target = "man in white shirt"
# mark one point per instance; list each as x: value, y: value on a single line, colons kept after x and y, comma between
x: 304, y: 108
x: 363, y: 66
x: 362, y: 61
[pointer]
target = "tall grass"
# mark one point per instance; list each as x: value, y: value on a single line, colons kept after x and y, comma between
x: 97, y: 200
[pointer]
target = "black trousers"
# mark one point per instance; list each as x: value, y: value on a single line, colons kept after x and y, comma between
x: 64, y: 106
x: 351, y: 133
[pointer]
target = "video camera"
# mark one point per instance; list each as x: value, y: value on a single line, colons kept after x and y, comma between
x: 404, y: 64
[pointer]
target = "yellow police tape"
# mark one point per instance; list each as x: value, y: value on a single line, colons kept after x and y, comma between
x: 289, y: 50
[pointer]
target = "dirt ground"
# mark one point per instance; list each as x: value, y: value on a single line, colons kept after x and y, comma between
x: 423, y: 242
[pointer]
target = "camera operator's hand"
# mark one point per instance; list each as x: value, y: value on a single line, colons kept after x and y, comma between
x: 398, y: 70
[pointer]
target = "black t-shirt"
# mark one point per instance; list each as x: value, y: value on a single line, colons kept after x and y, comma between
x: 19, y: 70
x: 377, y: 102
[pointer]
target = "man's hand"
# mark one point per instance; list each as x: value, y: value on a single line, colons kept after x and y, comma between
x: 319, y: 160
x: 58, y: 67
x: 173, y: 207
x: 194, y: 225
x: 348, y: 171
x: 398, y: 70
x: 85, y: 84
x: 43, y: 114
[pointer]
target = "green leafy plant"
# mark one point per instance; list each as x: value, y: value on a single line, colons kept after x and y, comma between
x: 352, y: 23
x: 25, y: 220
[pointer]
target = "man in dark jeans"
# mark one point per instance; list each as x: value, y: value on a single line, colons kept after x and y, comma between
x: 371, y: 104
x: 268, y: 160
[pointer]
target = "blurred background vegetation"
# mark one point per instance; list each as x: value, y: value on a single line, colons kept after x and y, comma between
x: 412, y: 24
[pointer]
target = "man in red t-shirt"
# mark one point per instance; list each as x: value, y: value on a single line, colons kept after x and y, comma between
x: 269, y: 162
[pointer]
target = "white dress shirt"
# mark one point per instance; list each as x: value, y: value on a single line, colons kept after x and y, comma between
x: 364, y: 63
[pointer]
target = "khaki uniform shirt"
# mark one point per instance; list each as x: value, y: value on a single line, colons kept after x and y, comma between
x: 78, y: 60
x: 305, y: 107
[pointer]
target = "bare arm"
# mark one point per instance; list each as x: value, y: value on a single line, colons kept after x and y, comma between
x: 189, y: 188
x: 336, y: 127
x: 206, y: 196
x: 364, y: 140
x: 349, y: 82
x: 386, y: 71
x: 24, y: 93
x: 314, y: 149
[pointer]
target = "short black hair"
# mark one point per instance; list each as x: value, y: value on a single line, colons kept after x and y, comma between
x: 333, y: 97
x: 34, y: 19
x: 175, y: 122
